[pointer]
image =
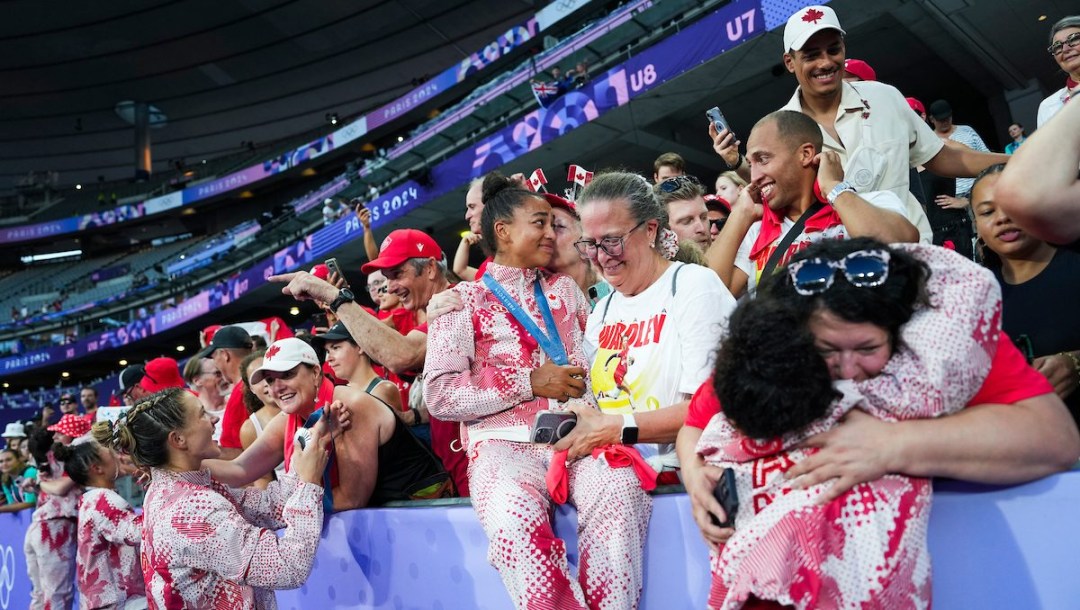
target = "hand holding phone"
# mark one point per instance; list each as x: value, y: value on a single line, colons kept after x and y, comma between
x: 332, y: 265
x: 717, y: 119
x: 550, y: 427
x: 728, y: 497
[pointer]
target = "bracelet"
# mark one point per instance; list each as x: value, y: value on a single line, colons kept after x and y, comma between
x: 1075, y: 362
x: 416, y: 416
x: 732, y: 168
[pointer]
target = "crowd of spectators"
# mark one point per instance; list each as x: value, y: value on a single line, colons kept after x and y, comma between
x: 599, y: 351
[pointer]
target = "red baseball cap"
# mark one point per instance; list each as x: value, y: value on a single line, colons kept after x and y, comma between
x: 161, y: 373
x: 916, y: 105
x: 858, y: 67
x: 559, y: 202
x: 716, y: 202
x: 401, y: 245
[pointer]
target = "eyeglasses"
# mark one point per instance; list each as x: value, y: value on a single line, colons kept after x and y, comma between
x: 866, y: 269
x: 675, y: 183
x: 1071, y: 41
x: 612, y: 246
x: 718, y: 223
x: 63, y: 400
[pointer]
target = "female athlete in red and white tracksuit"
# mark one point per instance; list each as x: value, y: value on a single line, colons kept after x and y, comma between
x: 477, y: 371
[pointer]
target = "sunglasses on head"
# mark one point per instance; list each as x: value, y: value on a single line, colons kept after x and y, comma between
x: 865, y: 269
x: 675, y: 183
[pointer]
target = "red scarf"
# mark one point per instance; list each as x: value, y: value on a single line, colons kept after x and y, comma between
x: 617, y: 456
x: 772, y: 223
x: 1070, y: 86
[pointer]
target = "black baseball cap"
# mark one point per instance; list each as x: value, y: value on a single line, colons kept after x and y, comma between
x: 131, y: 376
x: 337, y: 332
x: 230, y: 337
x: 940, y: 109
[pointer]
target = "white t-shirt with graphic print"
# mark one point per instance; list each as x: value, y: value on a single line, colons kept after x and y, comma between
x: 654, y: 349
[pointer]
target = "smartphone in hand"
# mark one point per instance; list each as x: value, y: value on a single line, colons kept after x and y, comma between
x: 717, y: 119
x: 332, y: 264
x: 550, y: 427
x: 728, y: 497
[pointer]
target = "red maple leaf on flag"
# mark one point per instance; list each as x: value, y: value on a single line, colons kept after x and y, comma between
x: 270, y: 353
x: 813, y: 16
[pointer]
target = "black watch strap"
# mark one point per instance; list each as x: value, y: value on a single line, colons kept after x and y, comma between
x: 344, y: 296
x: 630, y: 430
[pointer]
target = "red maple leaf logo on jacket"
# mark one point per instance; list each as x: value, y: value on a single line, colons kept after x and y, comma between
x: 813, y: 16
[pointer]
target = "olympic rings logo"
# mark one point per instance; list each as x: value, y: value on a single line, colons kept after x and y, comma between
x: 7, y: 575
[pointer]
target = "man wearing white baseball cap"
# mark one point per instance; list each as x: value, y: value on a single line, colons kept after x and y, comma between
x: 869, y: 124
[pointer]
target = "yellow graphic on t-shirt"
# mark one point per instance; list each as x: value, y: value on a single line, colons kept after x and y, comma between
x: 621, y: 382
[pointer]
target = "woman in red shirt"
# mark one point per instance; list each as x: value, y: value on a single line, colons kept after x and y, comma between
x: 916, y: 345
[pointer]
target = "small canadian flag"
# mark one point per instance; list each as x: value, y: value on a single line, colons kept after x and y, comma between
x: 536, y: 181
x: 579, y: 175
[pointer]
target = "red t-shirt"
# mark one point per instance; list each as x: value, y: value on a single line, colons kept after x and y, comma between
x: 1011, y: 379
x: 234, y: 417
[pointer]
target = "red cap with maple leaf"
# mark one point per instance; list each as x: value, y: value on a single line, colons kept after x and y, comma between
x: 401, y: 245
x: 807, y: 22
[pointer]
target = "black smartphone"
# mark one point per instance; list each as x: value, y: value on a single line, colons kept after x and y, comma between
x: 550, y: 427
x: 728, y: 497
x: 332, y: 265
x: 717, y: 118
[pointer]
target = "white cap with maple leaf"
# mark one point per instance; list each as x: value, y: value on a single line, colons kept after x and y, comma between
x: 807, y: 22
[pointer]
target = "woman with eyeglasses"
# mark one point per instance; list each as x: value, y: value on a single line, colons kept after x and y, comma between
x: 650, y: 341
x: 512, y: 352
x: 904, y: 332
x: 1040, y: 287
x: 1065, y: 49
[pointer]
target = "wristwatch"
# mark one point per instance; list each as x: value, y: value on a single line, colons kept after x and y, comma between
x: 629, y: 429
x: 839, y: 188
x: 343, y: 296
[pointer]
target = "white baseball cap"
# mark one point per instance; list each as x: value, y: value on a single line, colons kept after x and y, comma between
x: 807, y: 22
x: 285, y: 355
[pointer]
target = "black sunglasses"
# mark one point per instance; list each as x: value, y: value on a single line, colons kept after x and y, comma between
x: 718, y: 223
x: 675, y: 183
x: 864, y: 269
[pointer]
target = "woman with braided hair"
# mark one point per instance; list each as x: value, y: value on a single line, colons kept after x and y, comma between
x: 108, y: 573
x: 205, y: 545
